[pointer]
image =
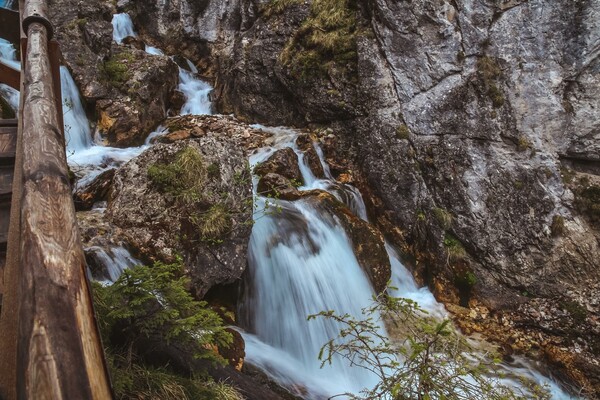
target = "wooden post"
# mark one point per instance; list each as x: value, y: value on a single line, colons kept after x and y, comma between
x: 58, y: 349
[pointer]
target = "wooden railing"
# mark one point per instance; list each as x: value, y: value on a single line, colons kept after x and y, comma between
x: 49, y: 342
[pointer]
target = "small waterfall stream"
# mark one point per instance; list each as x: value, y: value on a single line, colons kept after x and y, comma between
x: 8, y: 55
x: 300, y: 263
x: 122, y: 27
x: 77, y: 127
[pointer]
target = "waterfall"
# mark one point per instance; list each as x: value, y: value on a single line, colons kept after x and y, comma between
x: 300, y: 262
x: 8, y: 56
x: 196, y: 93
x: 112, y: 261
x: 122, y: 27
x: 77, y: 128
x: 7, y: 4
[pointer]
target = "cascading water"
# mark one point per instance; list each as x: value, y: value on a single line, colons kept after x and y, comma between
x: 300, y: 263
x: 77, y: 127
x: 7, y: 3
x: 8, y: 56
x: 196, y: 92
x: 114, y: 260
x: 122, y: 27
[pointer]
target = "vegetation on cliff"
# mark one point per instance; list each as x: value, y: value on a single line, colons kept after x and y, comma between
x: 431, y: 361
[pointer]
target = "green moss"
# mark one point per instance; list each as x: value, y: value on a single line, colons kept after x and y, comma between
x: 558, y: 226
x: 402, y: 132
x: 326, y: 38
x: 443, y: 217
x: 184, y: 178
x: 454, y: 247
x: 117, y: 69
x: 465, y: 280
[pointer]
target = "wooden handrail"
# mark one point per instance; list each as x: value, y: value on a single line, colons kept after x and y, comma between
x: 58, y: 349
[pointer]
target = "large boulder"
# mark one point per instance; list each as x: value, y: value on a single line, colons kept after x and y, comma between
x: 191, y: 198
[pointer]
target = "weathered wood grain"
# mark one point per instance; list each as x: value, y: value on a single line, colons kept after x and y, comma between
x: 59, y: 353
x: 10, y: 76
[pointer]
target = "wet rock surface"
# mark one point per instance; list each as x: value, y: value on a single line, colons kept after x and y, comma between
x: 96, y: 191
x: 209, y: 228
x: 283, y: 162
x: 128, y: 90
x: 367, y: 241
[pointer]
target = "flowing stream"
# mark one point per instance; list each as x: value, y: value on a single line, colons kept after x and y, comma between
x: 8, y: 56
x: 301, y: 262
x: 300, y: 259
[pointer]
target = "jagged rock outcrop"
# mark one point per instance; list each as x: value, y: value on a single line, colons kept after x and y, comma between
x: 192, y: 198
x: 458, y: 117
x: 128, y: 90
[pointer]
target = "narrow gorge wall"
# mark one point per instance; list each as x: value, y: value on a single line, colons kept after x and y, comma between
x: 472, y: 125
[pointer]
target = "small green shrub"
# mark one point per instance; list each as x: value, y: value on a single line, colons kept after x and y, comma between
x: 326, y: 37
x: 524, y: 143
x: 427, y: 359
x: 402, y: 132
x: 152, y: 302
x: 276, y: 7
x: 490, y: 72
x: 454, y: 247
x: 213, y: 223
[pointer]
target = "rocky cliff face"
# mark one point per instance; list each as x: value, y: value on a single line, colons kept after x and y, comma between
x: 127, y: 91
x: 473, y: 125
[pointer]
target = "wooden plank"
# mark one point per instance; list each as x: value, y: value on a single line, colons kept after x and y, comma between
x: 59, y: 353
x: 8, y: 139
x: 10, y: 76
x: 9, y: 122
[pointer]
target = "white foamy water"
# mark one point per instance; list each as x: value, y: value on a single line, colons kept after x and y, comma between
x: 8, y: 56
x: 197, y: 93
x: 77, y: 127
x: 114, y: 260
x: 122, y: 27
x: 155, y: 51
x: 300, y: 263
